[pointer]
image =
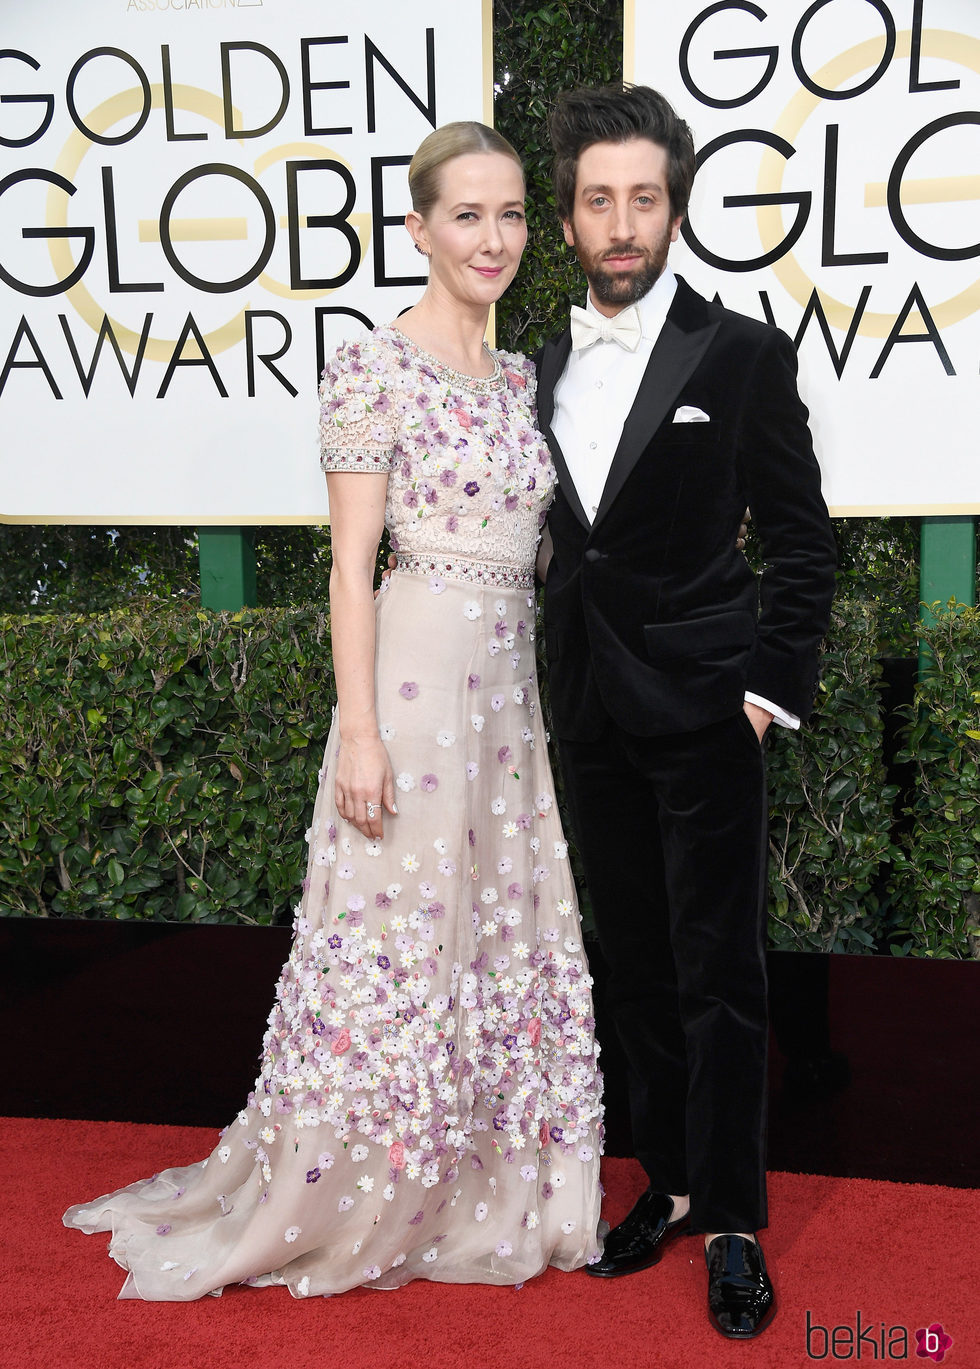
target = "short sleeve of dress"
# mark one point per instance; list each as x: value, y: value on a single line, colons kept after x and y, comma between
x: 357, y: 416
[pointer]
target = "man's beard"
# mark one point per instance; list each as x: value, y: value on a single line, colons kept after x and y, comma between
x: 624, y: 287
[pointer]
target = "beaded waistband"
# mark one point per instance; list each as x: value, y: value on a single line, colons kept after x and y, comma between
x: 487, y: 573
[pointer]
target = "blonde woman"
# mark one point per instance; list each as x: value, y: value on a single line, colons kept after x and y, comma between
x: 428, y: 1103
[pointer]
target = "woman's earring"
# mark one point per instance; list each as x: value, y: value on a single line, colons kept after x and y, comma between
x: 421, y: 250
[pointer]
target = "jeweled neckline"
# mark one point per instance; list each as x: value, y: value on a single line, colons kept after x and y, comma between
x: 478, y: 384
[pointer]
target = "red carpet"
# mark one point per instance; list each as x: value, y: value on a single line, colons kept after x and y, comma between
x: 903, y: 1256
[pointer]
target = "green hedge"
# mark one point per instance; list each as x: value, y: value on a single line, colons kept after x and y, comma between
x: 163, y: 766
x: 160, y: 766
x: 830, y: 808
x: 847, y: 871
x: 937, y: 879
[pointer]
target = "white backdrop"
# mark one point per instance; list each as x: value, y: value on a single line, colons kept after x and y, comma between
x: 861, y: 116
x: 201, y: 227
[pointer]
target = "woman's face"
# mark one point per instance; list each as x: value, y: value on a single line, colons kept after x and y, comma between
x: 476, y: 231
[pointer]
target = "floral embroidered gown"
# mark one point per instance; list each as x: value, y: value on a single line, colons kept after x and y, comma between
x: 428, y: 1104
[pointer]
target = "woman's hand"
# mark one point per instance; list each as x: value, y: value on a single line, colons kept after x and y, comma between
x: 760, y: 718
x: 364, y: 777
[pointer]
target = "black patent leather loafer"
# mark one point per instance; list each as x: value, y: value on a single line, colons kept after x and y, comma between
x: 638, y: 1242
x: 740, y: 1296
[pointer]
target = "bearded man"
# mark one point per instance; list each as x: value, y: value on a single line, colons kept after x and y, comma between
x: 668, y: 660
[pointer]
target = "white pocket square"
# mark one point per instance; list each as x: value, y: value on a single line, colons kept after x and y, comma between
x: 687, y: 413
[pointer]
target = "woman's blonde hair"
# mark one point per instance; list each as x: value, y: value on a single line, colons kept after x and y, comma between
x: 451, y: 140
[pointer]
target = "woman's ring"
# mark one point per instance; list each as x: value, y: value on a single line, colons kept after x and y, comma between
x: 372, y: 810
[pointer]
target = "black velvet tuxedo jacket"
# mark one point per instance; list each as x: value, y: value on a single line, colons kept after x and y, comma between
x: 652, y: 616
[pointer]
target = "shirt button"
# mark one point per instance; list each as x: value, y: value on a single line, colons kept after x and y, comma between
x: 592, y: 446
x: 598, y: 384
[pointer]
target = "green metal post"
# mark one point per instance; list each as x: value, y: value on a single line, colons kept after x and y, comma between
x: 947, y: 566
x: 227, y: 561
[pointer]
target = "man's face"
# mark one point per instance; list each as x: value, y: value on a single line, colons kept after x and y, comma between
x: 621, y: 225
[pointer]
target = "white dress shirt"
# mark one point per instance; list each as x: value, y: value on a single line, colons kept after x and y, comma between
x: 596, y: 392
x: 593, y: 398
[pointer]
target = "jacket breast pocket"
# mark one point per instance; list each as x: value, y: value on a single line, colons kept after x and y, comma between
x: 702, y: 435
x: 732, y: 632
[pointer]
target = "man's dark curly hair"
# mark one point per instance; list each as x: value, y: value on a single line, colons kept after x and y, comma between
x: 616, y: 114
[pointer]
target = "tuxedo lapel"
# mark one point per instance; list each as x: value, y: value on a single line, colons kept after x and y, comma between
x: 683, y: 341
x: 554, y: 355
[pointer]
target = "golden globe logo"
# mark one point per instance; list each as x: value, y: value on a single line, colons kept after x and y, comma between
x: 246, y: 205
x: 861, y: 208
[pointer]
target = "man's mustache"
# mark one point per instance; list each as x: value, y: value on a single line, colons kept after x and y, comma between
x: 630, y: 249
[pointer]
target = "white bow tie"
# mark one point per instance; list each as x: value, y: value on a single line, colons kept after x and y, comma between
x: 625, y: 328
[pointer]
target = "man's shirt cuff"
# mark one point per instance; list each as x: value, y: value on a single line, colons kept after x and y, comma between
x: 779, y: 715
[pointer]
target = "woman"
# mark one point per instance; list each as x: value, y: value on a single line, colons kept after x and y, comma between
x: 428, y: 1105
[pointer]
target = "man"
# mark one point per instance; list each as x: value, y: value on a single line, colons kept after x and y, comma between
x: 666, y: 415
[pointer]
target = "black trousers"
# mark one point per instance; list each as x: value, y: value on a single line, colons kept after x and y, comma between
x: 672, y: 834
